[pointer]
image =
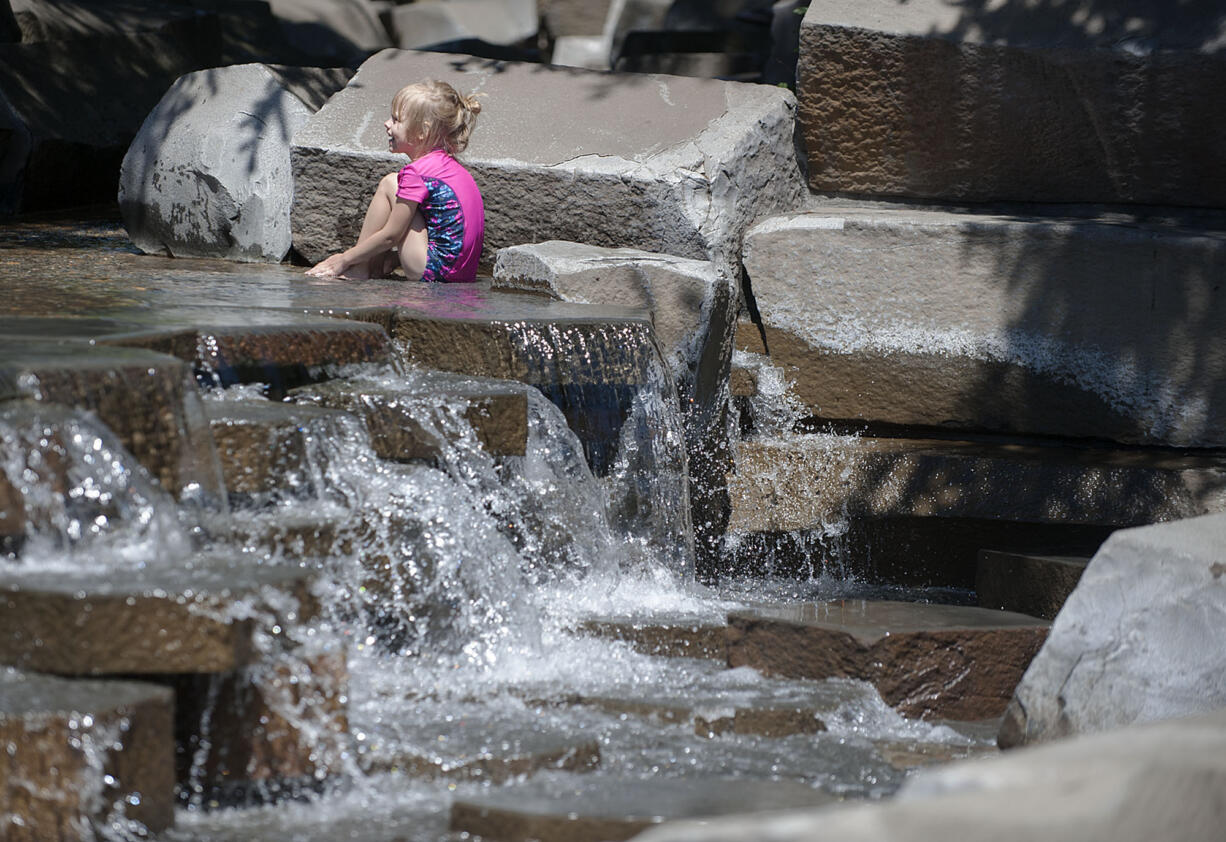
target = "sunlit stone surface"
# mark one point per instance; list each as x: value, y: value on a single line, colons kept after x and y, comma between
x: 927, y: 660
x: 208, y: 174
x: 82, y: 756
x: 666, y: 164
x: 987, y: 322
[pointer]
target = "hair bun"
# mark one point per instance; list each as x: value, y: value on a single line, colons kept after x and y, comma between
x: 472, y: 104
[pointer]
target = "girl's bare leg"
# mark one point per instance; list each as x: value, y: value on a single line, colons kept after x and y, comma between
x: 413, y: 248
x: 377, y: 213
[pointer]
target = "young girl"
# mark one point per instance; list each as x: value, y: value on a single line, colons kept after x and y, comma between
x: 428, y: 217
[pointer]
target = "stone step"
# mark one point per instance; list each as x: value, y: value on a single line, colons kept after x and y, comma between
x: 686, y: 180
x: 268, y: 731
x: 82, y: 754
x: 495, y: 411
x: 146, y: 622
x: 471, y: 745
x: 603, y: 808
x: 713, y: 701
x: 664, y: 635
x: 926, y: 660
x: 944, y: 101
x: 271, y: 451
x: 990, y: 489
x: 1027, y: 583
x: 1021, y: 324
x: 282, y: 352
x: 146, y: 399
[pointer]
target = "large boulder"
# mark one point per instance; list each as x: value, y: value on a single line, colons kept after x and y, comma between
x: 1100, y: 327
x: 672, y: 165
x: 208, y: 175
x: 1136, y: 640
x: 1016, y: 101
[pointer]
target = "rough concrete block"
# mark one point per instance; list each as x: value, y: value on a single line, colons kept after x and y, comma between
x: 343, y: 32
x: 665, y: 164
x: 82, y: 754
x: 1134, y: 641
x: 946, y: 661
x: 801, y: 482
x: 208, y: 174
x: 496, y: 413
x: 978, y: 321
x: 1021, y: 102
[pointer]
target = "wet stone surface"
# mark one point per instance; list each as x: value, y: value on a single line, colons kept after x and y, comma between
x: 955, y: 662
x: 609, y: 809
x: 155, y: 621
x: 64, y: 736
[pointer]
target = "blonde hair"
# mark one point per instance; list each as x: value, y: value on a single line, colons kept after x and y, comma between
x: 445, y: 117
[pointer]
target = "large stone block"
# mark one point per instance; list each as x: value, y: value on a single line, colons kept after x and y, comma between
x: 409, y: 421
x: 1028, y: 583
x: 1015, y: 102
x: 283, y: 352
x: 271, y: 730
x: 148, y: 400
x: 1135, y: 640
x: 83, y: 756
x: 208, y: 174
x: 575, y: 17
x: 974, y: 322
x: 672, y: 165
x: 199, y: 620
x: 70, y: 114
x: 945, y: 661
x: 693, y: 307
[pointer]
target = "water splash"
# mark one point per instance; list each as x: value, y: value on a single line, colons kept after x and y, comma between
x: 86, y: 503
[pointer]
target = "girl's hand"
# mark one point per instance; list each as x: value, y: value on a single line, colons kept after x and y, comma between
x: 333, y: 267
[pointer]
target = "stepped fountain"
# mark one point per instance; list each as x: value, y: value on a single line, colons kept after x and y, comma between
x: 683, y: 510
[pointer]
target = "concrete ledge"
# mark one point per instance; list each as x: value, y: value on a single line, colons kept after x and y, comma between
x: 1064, y: 102
x: 975, y: 321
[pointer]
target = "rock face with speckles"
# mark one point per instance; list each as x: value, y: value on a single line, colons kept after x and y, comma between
x: 82, y: 754
x: 1136, y: 640
x: 665, y: 164
x: 926, y: 660
x: 1050, y: 102
x: 208, y: 175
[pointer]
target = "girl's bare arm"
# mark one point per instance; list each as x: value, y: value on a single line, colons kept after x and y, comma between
x: 382, y: 241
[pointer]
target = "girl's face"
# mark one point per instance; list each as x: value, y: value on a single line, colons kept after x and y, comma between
x: 403, y: 138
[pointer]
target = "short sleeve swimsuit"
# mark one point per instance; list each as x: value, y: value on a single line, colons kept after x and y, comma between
x: 451, y: 205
